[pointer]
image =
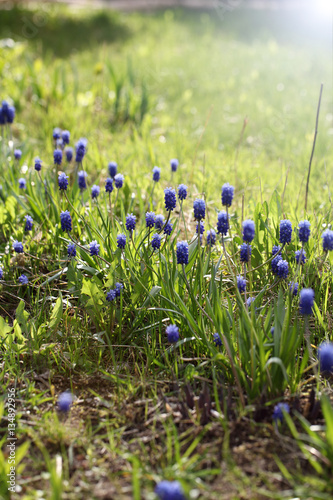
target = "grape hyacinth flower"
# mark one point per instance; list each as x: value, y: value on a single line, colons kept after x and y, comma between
x: 278, y: 411
x: 81, y: 179
x: 17, y: 246
x: 241, y: 284
x: 276, y: 249
x: 325, y: 355
x: 300, y: 254
x: 282, y: 269
x: 111, y: 295
x: 1, y: 273
x: 182, y: 192
x: 172, y: 332
x: 199, y: 208
x: 95, y: 190
x: 94, y: 248
x: 63, y: 181
x: 174, y: 164
x: 71, y: 250
x: 118, y: 181
x: 227, y: 195
x: 168, y: 228
x: 56, y: 133
x: 211, y: 237
x: 156, y: 241
x: 304, y: 231
x: 248, y: 231
x: 112, y: 167
x: 306, y: 301
x: 272, y: 331
x: 121, y: 241
x: 245, y: 252
x: 22, y: 183
x: 65, y: 135
x: 170, y: 199
x: 17, y: 154
x: 57, y: 156
x: 118, y: 289
x: 66, y: 221
x: 109, y: 185
x: 170, y: 490
x: 249, y: 301
x: 222, y: 223
x: 217, y: 340
x: 150, y: 219
x: 28, y: 223
x: 69, y: 154
x: 293, y: 287
x: 23, y: 280
x: 285, y: 231
x: 80, y: 148
x: 60, y: 143
x: 202, y: 228
x: 274, y: 264
x: 327, y: 240
x: 10, y: 114
x: 38, y: 164
x: 156, y: 174
x: 130, y: 222
x: 182, y: 252
x: 159, y: 222
x: 65, y: 402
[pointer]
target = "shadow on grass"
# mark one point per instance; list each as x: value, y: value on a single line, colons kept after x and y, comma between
x: 60, y: 31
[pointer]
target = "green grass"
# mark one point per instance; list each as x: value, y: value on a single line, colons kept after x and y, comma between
x: 144, y: 88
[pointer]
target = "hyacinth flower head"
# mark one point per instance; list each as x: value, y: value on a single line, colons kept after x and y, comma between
x: 69, y: 154
x: 306, y: 301
x: 300, y: 256
x: 211, y: 237
x: 174, y: 164
x: 227, y: 195
x: 156, y: 241
x: 182, y: 192
x: 156, y: 174
x: 71, y: 250
x: 65, y: 136
x: 38, y: 164
x: 278, y: 411
x: 112, y: 167
x: 168, y: 228
x: 130, y: 222
x: 327, y: 240
x: 119, y: 181
x: 60, y: 143
x: 150, y: 219
x: 17, y: 154
x: 121, y: 241
x: 66, y: 221
x: 111, y: 295
x: 199, y: 208
x: 182, y: 252
x: 325, y: 356
x: 304, y: 231
x: 250, y: 301
x: 65, y: 401
x: 293, y: 287
x: 118, y: 289
x: 202, y: 227
x: 23, y: 280
x: 245, y: 252
x: 276, y: 249
x: 81, y: 179
x: 56, y: 133
x: 22, y: 183
x: 170, y: 200
x: 217, y: 339
x: 282, y: 269
x: 57, y: 156
x: 241, y: 283
x: 159, y: 221
x: 285, y: 231
x: 1, y: 273
x: 248, y: 231
x: 94, y: 248
x: 222, y: 223
x: 17, y: 246
x: 172, y: 332
x: 63, y: 181
x: 109, y: 185
x: 28, y: 223
x: 80, y: 149
x: 170, y: 490
x: 275, y: 263
x: 95, y: 191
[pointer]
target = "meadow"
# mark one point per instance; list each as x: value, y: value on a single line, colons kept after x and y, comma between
x: 139, y: 360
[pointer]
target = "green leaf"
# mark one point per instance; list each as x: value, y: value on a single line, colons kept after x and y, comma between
x: 56, y: 315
